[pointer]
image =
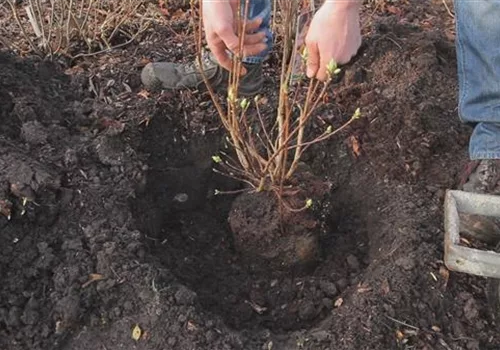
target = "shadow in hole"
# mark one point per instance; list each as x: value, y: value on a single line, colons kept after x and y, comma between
x: 188, y: 231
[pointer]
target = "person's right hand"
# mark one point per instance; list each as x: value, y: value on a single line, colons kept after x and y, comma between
x: 220, y: 30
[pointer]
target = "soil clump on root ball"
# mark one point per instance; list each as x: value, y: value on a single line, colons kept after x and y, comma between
x: 282, y: 234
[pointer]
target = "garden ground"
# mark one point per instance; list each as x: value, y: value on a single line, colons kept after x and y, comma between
x: 98, y: 242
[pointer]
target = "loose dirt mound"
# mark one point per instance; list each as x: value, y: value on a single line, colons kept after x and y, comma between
x: 114, y: 222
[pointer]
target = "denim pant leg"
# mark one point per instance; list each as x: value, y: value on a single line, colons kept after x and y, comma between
x: 262, y: 9
x: 478, y: 53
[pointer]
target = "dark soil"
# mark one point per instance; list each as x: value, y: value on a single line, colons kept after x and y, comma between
x: 114, y: 222
x: 280, y: 234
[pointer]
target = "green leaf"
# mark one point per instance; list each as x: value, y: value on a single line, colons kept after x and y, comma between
x: 357, y: 113
x: 244, y: 103
x: 309, y: 203
x: 304, y: 54
x: 217, y: 159
x: 331, y: 67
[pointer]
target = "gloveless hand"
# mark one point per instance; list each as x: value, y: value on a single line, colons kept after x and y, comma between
x: 334, y: 33
x: 219, y: 18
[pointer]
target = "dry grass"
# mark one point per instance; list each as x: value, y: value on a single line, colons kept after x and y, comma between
x: 71, y: 27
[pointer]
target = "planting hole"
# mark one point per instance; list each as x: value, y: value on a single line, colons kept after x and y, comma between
x: 192, y: 238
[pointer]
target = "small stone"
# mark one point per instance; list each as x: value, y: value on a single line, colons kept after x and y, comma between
x: 30, y: 315
x: 34, y: 133
x: 185, y: 296
x: 320, y: 336
x: 327, y: 303
x: 210, y: 336
x: 328, y: 288
x: 128, y: 306
x: 181, y: 197
x: 352, y: 262
x: 14, y: 317
x: 70, y: 158
x: 307, y: 310
x: 342, y: 284
x: 406, y: 262
x: 171, y: 341
x: 111, y: 151
x: 66, y: 196
x: 473, y: 344
x: 73, y: 244
x: 471, y: 311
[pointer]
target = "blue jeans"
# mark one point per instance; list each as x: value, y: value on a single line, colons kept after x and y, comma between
x: 478, y: 53
x: 260, y: 9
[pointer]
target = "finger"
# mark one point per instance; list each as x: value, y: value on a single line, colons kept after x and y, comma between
x: 313, y: 59
x: 220, y: 54
x: 321, y: 74
x: 255, y: 49
x: 256, y: 38
x: 229, y: 38
x: 223, y: 58
x: 253, y: 25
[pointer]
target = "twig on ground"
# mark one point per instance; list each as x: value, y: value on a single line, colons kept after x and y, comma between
x: 448, y: 9
x: 402, y: 323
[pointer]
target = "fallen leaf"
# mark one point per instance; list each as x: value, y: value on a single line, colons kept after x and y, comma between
x: 364, y: 288
x: 144, y: 61
x: 386, y: 289
x: 338, y: 302
x: 445, y: 273
x: 179, y: 14
x: 5, y: 208
x: 143, y: 94
x: 436, y: 329
x: 74, y: 70
x: 257, y: 308
x: 136, y: 332
x: 191, y: 326
x: 355, y: 145
x: 394, y: 10
x: 163, y: 9
x: 262, y: 100
x: 93, y: 277
x: 112, y: 127
x: 399, y: 335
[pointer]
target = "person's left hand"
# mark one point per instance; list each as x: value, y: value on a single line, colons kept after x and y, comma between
x: 335, y: 34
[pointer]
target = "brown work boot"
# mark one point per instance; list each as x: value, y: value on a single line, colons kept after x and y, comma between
x: 482, y: 177
x: 174, y: 76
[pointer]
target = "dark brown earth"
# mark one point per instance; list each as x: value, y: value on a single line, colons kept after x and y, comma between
x: 279, y: 234
x: 99, y: 241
